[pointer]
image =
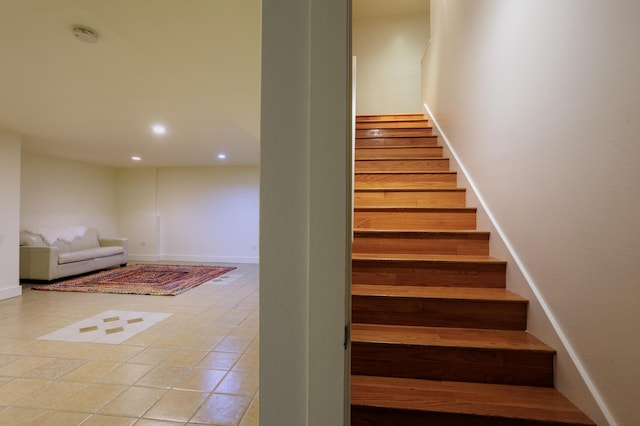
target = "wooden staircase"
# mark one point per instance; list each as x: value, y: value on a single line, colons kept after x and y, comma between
x: 436, y: 337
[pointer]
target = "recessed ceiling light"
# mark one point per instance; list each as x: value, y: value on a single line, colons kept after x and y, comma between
x: 222, y: 156
x: 136, y: 158
x: 158, y: 129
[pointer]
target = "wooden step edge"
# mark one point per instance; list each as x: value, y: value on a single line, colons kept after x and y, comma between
x: 403, y: 159
x: 412, y: 209
x: 402, y: 172
x: 490, y: 339
x: 526, y: 403
x: 439, y: 293
x: 432, y: 258
x: 365, y: 118
x: 420, y: 232
x: 385, y: 189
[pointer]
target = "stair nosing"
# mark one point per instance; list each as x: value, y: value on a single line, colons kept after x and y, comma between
x: 501, y: 295
x: 432, y: 258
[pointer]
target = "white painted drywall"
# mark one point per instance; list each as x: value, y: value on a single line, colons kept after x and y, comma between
x: 58, y: 192
x: 196, y: 214
x: 389, y: 49
x: 9, y: 215
x: 303, y: 212
x: 539, y: 99
x: 209, y: 214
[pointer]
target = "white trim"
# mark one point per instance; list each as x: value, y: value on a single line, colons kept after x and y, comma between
x: 529, y: 279
x: 8, y: 293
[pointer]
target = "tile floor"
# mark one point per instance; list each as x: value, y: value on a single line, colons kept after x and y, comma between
x: 196, y: 366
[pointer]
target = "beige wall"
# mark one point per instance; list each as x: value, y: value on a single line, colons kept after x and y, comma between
x: 9, y: 214
x: 541, y: 110
x: 304, y: 212
x: 207, y: 214
x: 58, y: 192
x: 201, y: 214
x: 388, y: 50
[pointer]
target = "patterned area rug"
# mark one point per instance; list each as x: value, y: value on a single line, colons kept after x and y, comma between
x: 159, y: 280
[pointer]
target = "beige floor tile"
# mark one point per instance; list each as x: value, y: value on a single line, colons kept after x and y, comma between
x: 199, y: 379
x: 219, y: 360
x: 55, y: 369
x: 163, y: 377
x: 52, y: 396
x: 203, y: 342
x: 94, y: 397
x: 239, y: 383
x: 24, y: 365
x: 16, y: 416
x: 60, y: 418
x: 251, y: 416
x: 19, y: 388
x: 185, y: 358
x: 152, y: 422
x: 233, y: 344
x: 133, y: 402
x: 248, y: 361
x: 102, y: 420
x: 151, y: 356
x: 177, y: 405
x: 222, y: 410
x: 126, y: 374
x: 90, y: 372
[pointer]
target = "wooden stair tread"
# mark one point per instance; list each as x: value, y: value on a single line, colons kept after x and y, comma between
x: 390, y: 117
x: 477, y: 399
x: 402, y: 172
x: 447, y: 337
x: 414, y: 209
x: 450, y: 293
x: 417, y: 232
x: 387, y: 189
x: 435, y: 258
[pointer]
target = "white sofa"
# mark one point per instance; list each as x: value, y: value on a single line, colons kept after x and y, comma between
x: 49, y: 254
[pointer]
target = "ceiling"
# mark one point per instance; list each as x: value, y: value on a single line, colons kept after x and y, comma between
x: 192, y: 65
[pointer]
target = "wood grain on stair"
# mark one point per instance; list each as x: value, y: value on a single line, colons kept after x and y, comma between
x: 391, y: 153
x: 390, y: 117
x: 393, y: 124
x: 434, y: 164
x: 415, y: 218
x: 405, y: 141
x: 429, y: 197
x: 438, y: 306
x: 405, y: 180
x: 414, y: 402
x: 420, y: 242
x: 428, y: 270
x: 387, y: 133
x: 457, y: 354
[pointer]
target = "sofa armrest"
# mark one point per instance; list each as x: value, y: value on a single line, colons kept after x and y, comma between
x: 38, y: 263
x: 123, y: 242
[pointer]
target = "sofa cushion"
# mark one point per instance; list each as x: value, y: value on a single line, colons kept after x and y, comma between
x: 87, y: 241
x: 91, y: 253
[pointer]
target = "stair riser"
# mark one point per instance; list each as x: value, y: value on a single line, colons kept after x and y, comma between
x: 451, y: 198
x: 396, y: 243
x: 414, y: 311
x: 411, y: 220
x: 452, y: 364
x: 409, y: 124
x: 374, y: 416
x: 405, y: 180
x: 398, y: 142
x: 431, y: 274
x: 428, y: 165
x: 389, y: 133
x: 398, y: 153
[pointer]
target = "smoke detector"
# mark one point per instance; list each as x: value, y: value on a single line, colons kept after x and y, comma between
x: 85, y: 34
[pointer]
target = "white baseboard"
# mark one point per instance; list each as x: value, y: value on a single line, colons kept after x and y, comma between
x: 9, y: 292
